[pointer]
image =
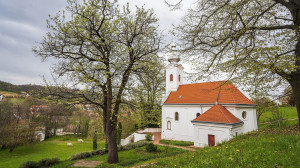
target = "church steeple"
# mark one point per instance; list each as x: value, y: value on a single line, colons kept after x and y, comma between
x: 174, y: 71
x: 174, y: 56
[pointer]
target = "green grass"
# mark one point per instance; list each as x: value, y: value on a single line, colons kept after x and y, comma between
x: 51, y: 148
x: 178, y: 143
x: 288, y: 112
x: 129, y: 158
x: 279, y: 147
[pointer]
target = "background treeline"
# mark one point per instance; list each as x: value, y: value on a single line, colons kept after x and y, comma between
x: 5, y: 86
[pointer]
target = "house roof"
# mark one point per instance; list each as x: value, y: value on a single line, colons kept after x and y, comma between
x: 218, y: 114
x: 207, y: 93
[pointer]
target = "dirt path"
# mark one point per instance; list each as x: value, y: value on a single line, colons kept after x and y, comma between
x: 86, y: 163
x: 144, y: 165
x: 180, y: 147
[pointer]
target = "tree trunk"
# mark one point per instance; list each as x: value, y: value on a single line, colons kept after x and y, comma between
x: 112, y: 144
x: 47, y: 133
x: 95, y: 141
x: 295, y: 76
x: 296, y: 90
x: 11, y: 148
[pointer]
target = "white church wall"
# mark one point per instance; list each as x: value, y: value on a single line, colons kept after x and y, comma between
x: 182, y: 129
x: 221, y: 133
x: 250, y: 122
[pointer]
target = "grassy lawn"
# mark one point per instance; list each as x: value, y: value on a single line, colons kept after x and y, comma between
x: 130, y: 158
x: 51, y: 148
x: 288, y: 112
x: 279, y: 147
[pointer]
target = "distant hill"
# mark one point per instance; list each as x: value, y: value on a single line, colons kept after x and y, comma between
x: 5, y: 86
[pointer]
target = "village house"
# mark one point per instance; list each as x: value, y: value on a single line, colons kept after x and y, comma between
x: 204, y: 113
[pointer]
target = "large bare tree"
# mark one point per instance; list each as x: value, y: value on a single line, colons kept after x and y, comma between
x: 100, y: 46
x: 255, y: 41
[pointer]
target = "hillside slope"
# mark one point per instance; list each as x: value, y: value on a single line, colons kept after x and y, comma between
x: 278, y: 147
x: 5, y: 86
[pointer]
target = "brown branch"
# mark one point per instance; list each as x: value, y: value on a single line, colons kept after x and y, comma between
x: 292, y: 27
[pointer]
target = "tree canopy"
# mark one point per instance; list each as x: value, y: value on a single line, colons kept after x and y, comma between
x: 254, y: 42
x: 101, y: 46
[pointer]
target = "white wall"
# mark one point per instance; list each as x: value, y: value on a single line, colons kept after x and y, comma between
x: 250, y: 122
x: 127, y: 140
x: 221, y: 133
x: 182, y: 129
x: 140, y: 137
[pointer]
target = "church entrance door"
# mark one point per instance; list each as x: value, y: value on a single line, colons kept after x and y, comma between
x: 211, y: 140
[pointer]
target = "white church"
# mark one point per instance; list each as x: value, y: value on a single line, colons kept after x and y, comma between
x: 203, y: 113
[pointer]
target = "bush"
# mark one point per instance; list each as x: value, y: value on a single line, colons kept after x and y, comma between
x: 134, y: 145
x: 42, y: 163
x: 30, y: 164
x: 104, y: 151
x: 149, y: 137
x: 83, y: 155
x: 178, y: 143
x: 151, y: 147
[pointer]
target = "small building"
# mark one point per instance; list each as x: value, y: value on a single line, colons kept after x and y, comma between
x: 204, y: 113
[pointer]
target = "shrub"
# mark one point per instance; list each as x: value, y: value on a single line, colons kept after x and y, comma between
x: 104, y: 151
x: 178, y: 143
x: 82, y: 155
x: 134, y: 145
x: 119, y: 133
x: 151, y: 147
x: 149, y: 137
x: 42, y: 163
x: 30, y: 164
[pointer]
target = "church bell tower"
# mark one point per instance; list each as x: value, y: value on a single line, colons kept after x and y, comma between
x: 174, y: 71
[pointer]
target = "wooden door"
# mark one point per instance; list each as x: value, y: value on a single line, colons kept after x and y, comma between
x: 211, y: 140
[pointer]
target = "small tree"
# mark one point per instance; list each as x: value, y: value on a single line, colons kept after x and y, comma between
x: 119, y: 133
x: 264, y: 104
x: 52, y: 117
x: 16, y: 126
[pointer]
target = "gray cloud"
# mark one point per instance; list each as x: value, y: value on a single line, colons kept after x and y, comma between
x: 23, y: 24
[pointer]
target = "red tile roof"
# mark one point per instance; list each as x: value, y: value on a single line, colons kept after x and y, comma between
x: 218, y: 114
x: 207, y: 93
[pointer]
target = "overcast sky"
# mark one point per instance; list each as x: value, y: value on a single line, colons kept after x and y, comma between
x: 23, y: 25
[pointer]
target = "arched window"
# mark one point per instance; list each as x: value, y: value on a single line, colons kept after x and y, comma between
x: 171, y: 77
x: 176, y: 116
x: 244, y: 114
x: 169, y: 125
x: 179, y: 78
x: 198, y: 114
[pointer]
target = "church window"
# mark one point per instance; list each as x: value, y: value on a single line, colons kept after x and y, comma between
x: 176, y: 116
x: 244, y: 114
x: 179, y: 78
x: 169, y: 125
x: 198, y: 114
x: 171, y: 77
